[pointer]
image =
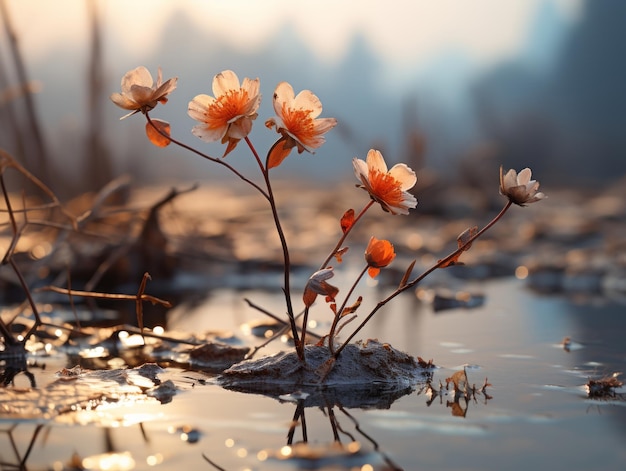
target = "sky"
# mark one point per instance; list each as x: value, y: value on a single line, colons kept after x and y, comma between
x: 435, y: 47
x: 400, y: 30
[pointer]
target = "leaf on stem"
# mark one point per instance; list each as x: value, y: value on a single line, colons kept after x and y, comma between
x: 407, y: 273
x: 465, y: 236
x: 350, y: 309
x: 347, y: 220
x: 451, y: 260
x: 279, y: 152
x: 339, y: 254
x: 157, y: 138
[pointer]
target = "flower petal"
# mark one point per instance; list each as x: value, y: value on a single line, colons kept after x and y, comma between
x: 375, y: 161
x: 207, y: 134
x: 306, y: 100
x: 283, y: 94
x: 224, y: 81
x: 138, y: 76
x: 524, y: 176
x: 404, y: 175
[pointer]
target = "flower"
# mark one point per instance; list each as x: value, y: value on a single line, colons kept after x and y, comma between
x: 317, y: 285
x: 296, y: 119
x: 389, y: 188
x: 519, y: 188
x: 140, y: 93
x: 378, y: 254
x: 227, y: 117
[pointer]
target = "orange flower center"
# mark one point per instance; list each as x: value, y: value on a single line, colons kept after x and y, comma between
x: 299, y: 123
x: 385, y: 188
x: 226, y: 107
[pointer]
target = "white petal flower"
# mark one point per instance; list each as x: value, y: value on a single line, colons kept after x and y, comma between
x: 140, y: 93
x: 519, y: 188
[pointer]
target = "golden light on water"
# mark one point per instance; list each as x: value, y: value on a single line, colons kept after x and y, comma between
x: 521, y: 272
x: 110, y: 461
x: 155, y: 459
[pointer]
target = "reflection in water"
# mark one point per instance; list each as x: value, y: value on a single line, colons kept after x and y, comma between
x: 461, y: 393
x: 343, y: 451
x: 19, y: 457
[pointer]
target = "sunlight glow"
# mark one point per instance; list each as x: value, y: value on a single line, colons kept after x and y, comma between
x: 412, y: 29
x: 109, y: 461
x: 155, y: 459
x: 521, y: 272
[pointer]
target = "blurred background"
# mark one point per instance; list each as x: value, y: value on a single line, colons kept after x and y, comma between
x: 457, y: 88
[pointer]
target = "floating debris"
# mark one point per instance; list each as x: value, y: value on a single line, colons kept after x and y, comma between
x: 459, y: 300
x: 604, y: 388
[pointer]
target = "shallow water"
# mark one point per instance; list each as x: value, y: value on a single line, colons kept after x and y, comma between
x: 537, y: 415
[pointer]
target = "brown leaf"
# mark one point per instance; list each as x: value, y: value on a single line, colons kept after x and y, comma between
x: 353, y: 308
x: 339, y: 254
x: 465, y: 236
x: 453, y: 260
x: 347, y: 220
x: 459, y: 379
x: 157, y: 138
x: 407, y: 273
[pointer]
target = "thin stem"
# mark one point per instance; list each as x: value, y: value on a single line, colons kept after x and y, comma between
x: 285, y: 249
x: 305, y: 320
x: 441, y: 263
x: 333, y: 327
x: 345, y: 235
x: 208, y: 157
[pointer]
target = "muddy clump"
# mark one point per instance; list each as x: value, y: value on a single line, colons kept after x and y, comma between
x: 374, y: 373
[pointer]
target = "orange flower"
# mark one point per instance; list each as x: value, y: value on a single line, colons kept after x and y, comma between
x: 227, y: 117
x: 140, y: 93
x: 378, y: 254
x: 296, y: 119
x: 388, y: 188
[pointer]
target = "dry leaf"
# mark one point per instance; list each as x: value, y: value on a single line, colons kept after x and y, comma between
x: 339, y: 254
x: 353, y: 308
x: 407, y: 273
x: 278, y: 153
x: 157, y: 138
x: 465, y: 236
x: 347, y: 220
x: 453, y: 260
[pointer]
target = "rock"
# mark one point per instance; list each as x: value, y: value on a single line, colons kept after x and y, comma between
x: 373, y: 373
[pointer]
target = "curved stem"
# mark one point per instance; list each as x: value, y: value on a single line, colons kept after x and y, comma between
x: 345, y: 234
x: 208, y: 157
x: 285, y: 249
x: 333, y: 327
x: 441, y: 263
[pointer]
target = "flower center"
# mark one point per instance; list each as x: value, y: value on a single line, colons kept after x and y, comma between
x: 299, y: 123
x: 385, y: 188
x: 226, y: 107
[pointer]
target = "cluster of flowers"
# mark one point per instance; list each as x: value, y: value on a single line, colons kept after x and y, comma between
x: 228, y: 117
